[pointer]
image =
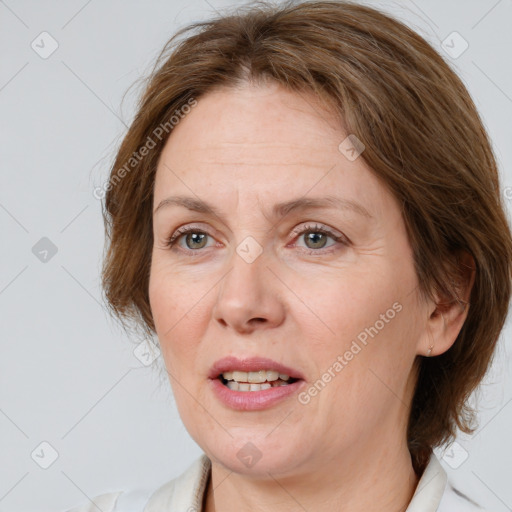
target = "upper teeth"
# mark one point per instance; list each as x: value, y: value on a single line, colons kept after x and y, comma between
x: 255, y: 377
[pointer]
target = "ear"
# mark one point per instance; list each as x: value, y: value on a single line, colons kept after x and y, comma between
x: 447, y: 315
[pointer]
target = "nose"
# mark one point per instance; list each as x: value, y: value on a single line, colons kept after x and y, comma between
x: 250, y: 296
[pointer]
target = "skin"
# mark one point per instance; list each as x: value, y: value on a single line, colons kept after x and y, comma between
x: 243, y: 150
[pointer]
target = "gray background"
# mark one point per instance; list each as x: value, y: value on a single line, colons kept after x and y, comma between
x: 68, y: 374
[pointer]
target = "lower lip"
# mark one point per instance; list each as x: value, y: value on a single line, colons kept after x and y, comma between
x: 253, y: 400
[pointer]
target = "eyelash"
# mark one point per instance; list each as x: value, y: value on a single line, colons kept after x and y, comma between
x: 170, y: 242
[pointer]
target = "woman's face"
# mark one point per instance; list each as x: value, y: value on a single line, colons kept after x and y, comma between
x: 326, y: 288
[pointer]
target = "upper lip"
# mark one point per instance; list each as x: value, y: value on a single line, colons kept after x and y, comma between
x: 252, y: 364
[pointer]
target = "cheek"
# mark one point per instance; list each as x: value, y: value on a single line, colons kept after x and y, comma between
x: 168, y: 309
x: 365, y: 371
x: 179, y: 337
x: 163, y: 308
x: 169, y: 294
x: 348, y: 304
x: 178, y: 309
x: 370, y: 318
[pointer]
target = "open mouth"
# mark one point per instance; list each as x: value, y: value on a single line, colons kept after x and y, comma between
x: 255, y: 381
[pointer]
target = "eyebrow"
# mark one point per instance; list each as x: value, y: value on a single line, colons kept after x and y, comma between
x: 278, y: 210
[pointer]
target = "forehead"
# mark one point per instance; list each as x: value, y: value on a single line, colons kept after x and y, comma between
x: 256, y: 120
x: 260, y: 140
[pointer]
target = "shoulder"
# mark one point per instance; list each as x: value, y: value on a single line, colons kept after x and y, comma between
x: 121, y: 501
x: 454, y: 500
x: 183, y: 492
x: 103, y: 502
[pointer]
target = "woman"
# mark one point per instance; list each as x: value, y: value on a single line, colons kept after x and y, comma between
x: 306, y: 212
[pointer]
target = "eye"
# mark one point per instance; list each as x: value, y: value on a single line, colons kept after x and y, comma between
x: 316, y: 237
x: 194, y: 238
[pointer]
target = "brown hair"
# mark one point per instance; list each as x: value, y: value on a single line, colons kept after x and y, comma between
x: 423, y: 138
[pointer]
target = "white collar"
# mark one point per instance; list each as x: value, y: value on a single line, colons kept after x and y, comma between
x: 187, y: 490
x: 430, y: 488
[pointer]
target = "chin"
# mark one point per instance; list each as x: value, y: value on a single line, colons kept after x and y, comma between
x: 256, y: 456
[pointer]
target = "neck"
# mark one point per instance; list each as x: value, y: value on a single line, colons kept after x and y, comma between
x: 355, y: 485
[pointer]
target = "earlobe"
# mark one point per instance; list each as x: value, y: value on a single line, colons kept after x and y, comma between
x: 446, y: 320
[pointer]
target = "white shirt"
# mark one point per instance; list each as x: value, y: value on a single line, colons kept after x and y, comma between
x: 185, y: 493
